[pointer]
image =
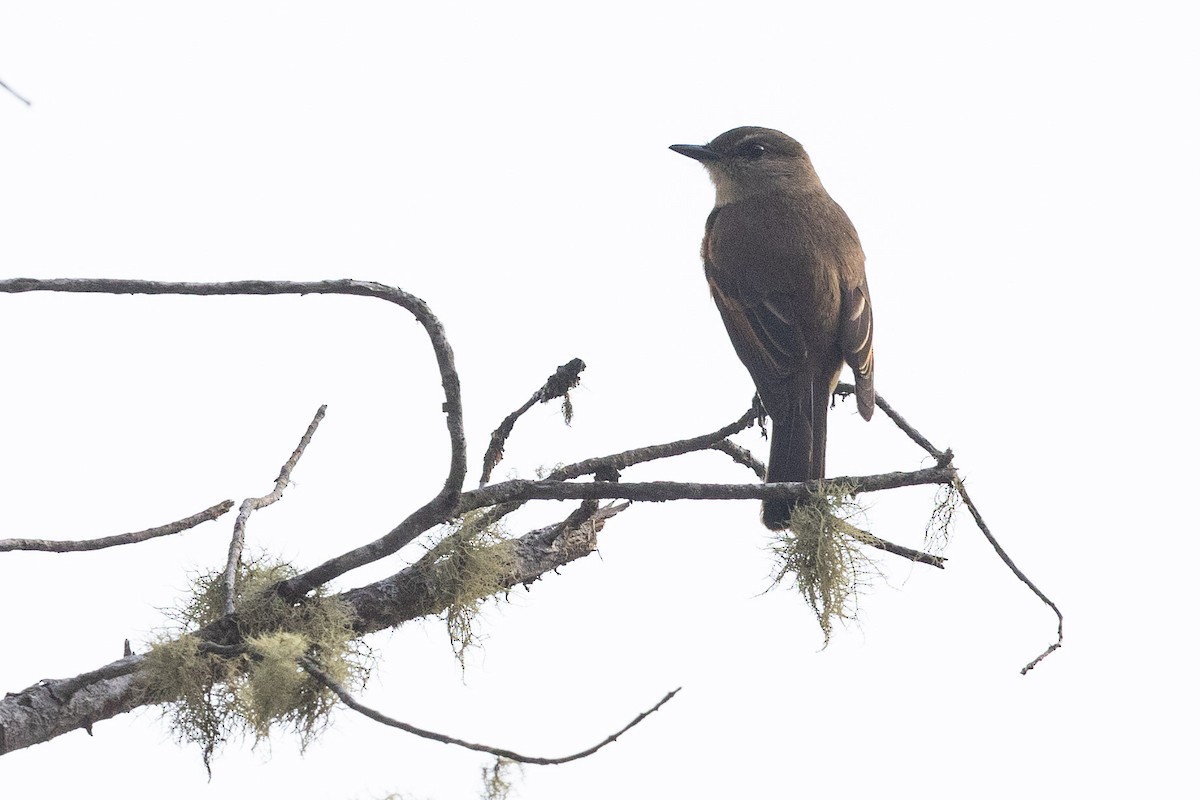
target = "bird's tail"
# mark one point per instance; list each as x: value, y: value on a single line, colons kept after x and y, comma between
x: 797, y: 454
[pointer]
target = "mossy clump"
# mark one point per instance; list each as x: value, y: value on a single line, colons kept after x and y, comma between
x: 259, y: 684
x: 817, y: 556
x: 471, y: 563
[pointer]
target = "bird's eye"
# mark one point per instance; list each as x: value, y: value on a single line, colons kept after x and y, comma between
x: 753, y: 150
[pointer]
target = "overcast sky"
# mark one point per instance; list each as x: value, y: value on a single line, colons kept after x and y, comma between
x: 1023, y: 181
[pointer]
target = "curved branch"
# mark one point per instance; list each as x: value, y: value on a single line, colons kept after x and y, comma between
x: 423, y: 518
x: 962, y: 490
x: 371, y: 713
x: 742, y: 456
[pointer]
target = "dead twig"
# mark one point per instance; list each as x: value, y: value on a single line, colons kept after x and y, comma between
x: 252, y: 504
x: 428, y: 515
x: 14, y: 93
x: 742, y: 456
x: 564, y: 379
x: 371, y: 713
x: 962, y: 491
x: 619, y: 461
x: 664, y: 491
x: 943, y: 457
x: 56, y: 546
x: 872, y: 540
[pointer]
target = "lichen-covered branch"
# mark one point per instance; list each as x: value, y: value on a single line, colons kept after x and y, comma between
x: 52, y: 707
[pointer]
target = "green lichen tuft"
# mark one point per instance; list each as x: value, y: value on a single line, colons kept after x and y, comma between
x: 467, y: 566
x: 210, y: 698
x: 817, y: 557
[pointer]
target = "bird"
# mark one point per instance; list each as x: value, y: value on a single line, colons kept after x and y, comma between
x: 787, y: 272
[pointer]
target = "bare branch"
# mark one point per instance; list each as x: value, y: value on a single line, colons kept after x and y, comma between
x: 371, y: 713
x: 619, y: 461
x: 872, y: 540
x: 962, y: 490
x: 51, y: 708
x: 423, y: 518
x: 252, y: 504
x: 662, y: 491
x: 562, y: 381
x: 53, y: 546
x: 607, y: 465
x: 13, y: 92
x: 742, y: 456
x: 943, y: 457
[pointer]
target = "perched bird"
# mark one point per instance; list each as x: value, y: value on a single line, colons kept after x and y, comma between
x: 786, y: 271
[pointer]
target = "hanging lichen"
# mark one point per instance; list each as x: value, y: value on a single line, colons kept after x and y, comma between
x: 467, y: 566
x: 259, y: 685
x: 817, y: 556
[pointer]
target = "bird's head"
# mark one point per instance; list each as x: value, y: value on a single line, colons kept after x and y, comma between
x: 748, y: 161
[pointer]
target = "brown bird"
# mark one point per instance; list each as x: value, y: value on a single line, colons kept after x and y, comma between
x: 787, y: 273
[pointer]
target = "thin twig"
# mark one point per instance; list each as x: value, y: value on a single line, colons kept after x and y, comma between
x: 349, y: 700
x: 870, y: 539
x: 742, y: 456
x: 14, y: 93
x: 943, y: 457
x: 962, y: 491
x: 252, y: 504
x: 618, y: 461
x: 52, y: 546
x: 564, y: 379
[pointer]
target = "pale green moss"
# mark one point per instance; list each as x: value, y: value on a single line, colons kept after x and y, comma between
x: 211, y: 698
x: 467, y: 566
x: 820, y: 559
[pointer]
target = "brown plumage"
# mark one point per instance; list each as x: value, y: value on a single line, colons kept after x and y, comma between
x: 787, y: 274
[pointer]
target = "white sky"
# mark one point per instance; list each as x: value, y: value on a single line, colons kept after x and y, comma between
x: 1024, y: 184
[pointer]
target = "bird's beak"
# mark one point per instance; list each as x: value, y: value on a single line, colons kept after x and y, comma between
x: 697, y: 151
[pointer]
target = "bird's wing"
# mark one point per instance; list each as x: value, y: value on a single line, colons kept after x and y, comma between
x: 766, y: 338
x: 855, y: 340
